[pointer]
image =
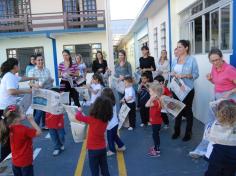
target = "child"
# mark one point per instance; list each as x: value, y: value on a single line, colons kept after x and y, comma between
x: 222, y: 133
x: 154, y: 104
x: 112, y: 136
x: 143, y: 97
x: 20, y: 139
x: 129, y: 99
x: 96, y: 87
x: 55, y: 124
x: 166, y: 92
x: 100, y: 113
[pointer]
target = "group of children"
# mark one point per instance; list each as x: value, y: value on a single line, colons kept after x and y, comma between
x: 103, y: 118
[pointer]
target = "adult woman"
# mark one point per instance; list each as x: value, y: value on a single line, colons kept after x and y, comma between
x: 163, y: 65
x: 122, y: 69
x: 68, y: 72
x: 147, y: 63
x: 99, y: 65
x: 9, y: 89
x: 44, y: 81
x: 185, y: 67
x: 223, y: 76
x: 31, y: 65
x: 82, y: 69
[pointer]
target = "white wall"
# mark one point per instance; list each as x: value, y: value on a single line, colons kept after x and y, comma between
x: 46, y: 6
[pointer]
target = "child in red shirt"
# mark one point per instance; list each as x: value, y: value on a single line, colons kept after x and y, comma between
x: 167, y: 92
x: 100, y: 113
x: 154, y: 103
x: 55, y: 124
x: 20, y: 139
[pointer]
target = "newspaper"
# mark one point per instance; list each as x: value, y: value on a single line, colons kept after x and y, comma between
x: 49, y: 101
x: 24, y: 102
x: 179, y: 88
x: 89, y: 77
x: 78, y: 131
x: 124, y: 111
x: 118, y: 85
x: 71, y: 112
x: 172, y: 106
x: 84, y: 92
x: 137, y: 76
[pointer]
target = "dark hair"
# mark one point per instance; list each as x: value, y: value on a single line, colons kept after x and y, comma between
x: 10, y: 114
x: 129, y: 79
x: 70, y: 58
x: 144, y: 48
x: 8, y: 65
x: 145, y: 74
x: 38, y: 55
x: 30, y: 59
x: 98, y: 77
x: 216, y: 51
x: 185, y: 43
x: 102, y: 109
x: 100, y: 53
x: 122, y: 52
x: 109, y: 93
x: 160, y: 79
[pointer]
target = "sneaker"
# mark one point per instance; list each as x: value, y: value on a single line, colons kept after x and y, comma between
x: 56, y: 152
x: 166, y: 127
x: 187, y: 137
x: 153, y: 153
x: 130, y: 129
x: 149, y: 124
x: 141, y: 125
x: 110, y: 153
x: 196, y: 154
x: 62, y: 148
x: 121, y: 149
x: 44, y: 128
x: 153, y: 148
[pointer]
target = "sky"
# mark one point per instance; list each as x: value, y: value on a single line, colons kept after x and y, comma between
x: 125, y: 9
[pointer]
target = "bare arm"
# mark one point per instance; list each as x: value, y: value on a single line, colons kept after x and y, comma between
x: 24, y: 78
x: 35, y: 126
x: 18, y: 92
x: 150, y: 102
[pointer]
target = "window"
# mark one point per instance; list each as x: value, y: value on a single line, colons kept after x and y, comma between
x: 209, y: 26
x: 163, y: 36
x: 155, y: 42
x: 23, y: 56
x: 70, y: 5
x: 89, y: 5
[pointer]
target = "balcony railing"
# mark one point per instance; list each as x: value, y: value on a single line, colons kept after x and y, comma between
x: 53, y: 21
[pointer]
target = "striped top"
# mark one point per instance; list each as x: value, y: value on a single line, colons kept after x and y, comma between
x: 64, y: 70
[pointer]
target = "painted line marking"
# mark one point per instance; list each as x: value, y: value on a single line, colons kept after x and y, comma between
x: 121, y: 163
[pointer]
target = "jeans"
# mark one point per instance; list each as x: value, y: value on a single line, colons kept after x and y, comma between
x: 132, y: 114
x: 120, y: 96
x: 165, y: 118
x: 144, y: 113
x: 23, y: 171
x: 98, y: 159
x: 186, y: 112
x: 58, y: 137
x: 156, y: 136
x: 112, y: 138
x: 38, y: 116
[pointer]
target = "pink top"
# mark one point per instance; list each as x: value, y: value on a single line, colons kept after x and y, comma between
x: 223, y: 78
x: 73, y: 69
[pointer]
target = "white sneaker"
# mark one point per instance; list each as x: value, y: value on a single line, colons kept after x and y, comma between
x: 122, y: 149
x: 62, y: 148
x: 166, y: 127
x: 56, y: 152
x: 141, y: 125
x: 110, y: 153
x: 130, y: 129
x: 149, y: 124
x: 196, y: 154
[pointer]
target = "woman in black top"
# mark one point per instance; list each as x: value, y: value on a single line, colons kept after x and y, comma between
x: 99, y: 65
x: 147, y: 63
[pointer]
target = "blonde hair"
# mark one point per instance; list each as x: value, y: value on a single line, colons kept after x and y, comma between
x: 226, y: 112
x: 80, y: 57
x: 156, y: 87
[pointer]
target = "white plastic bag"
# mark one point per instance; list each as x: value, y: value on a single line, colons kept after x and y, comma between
x: 78, y: 130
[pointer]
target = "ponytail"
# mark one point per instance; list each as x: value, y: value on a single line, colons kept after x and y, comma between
x: 4, y: 131
x: 8, y: 66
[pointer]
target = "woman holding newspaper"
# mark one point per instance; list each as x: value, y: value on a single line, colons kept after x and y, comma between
x: 184, y: 73
x: 68, y: 72
x: 9, y: 90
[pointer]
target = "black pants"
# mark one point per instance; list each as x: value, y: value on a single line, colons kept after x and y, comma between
x: 165, y: 118
x: 65, y: 87
x: 132, y: 114
x: 23, y: 171
x: 156, y: 136
x: 5, y: 148
x: 144, y: 113
x: 186, y: 112
x: 113, y: 138
x: 98, y: 159
x: 216, y: 170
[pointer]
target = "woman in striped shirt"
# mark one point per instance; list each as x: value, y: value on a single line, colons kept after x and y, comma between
x: 68, y: 72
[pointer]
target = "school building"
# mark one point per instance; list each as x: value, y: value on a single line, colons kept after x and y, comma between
x: 206, y: 23
x: 29, y: 27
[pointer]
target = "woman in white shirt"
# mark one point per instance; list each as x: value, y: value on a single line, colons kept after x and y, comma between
x: 9, y: 89
x: 82, y: 70
x: 163, y: 65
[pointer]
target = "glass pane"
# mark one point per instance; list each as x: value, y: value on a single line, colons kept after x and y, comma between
x: 207, y: 32
x: 215, y: 29
x: 198, y: 34
x: 197, y: 8
x: 210, y: 2
x: 225, y: 28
